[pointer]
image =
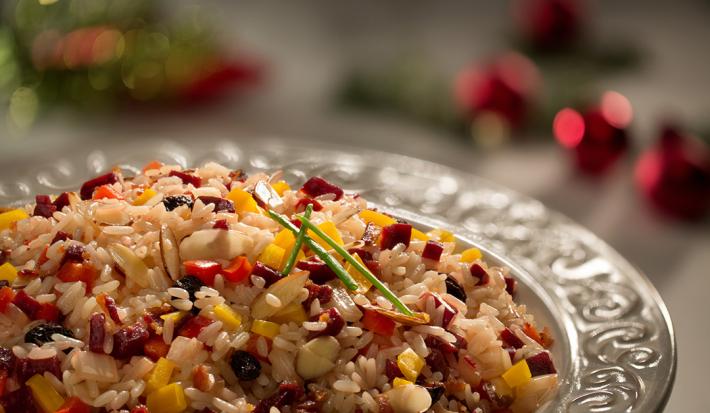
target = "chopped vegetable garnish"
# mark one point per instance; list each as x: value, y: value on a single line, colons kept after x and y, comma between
x: 377, y: 323
x: 230, y: 318
x: 272, y: 256
x: 239, y: 269
x: 167, y: 399
x: 518, y: 374
x: 205, y: 270
x: 377, y: 218
x: 7, y: 218
x: 416, y: 234
x: 8, y: 272
x: 365, y: 284
x: 441, y: 235
x: 243, y: 201
x: 410, y: 364
x: 329, y: 229
x: 470, y: 255
x: 363, y: 269
x: 280, y: 187
x: 160, y: 375
x: 44, y: 394
x: 399, y: 382
x: 293, y: 312
x: 265, y: 328
x: 319, y: 251
x: 146, y: 196
x: 297, y: 245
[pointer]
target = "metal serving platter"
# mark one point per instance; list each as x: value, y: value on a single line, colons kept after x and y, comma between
x: 614, y: 344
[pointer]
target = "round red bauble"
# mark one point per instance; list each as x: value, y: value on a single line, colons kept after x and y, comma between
x: 675, y: 175
x: 549, y: 24
x: 598, y: 136
x: 505, y: 87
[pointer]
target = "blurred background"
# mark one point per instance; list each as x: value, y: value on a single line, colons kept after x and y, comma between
x: 597, y: 108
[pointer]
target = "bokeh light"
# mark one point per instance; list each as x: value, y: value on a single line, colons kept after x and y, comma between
x: 568, y: 127
x: 616, y: 109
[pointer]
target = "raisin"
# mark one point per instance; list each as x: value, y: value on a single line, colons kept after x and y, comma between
x: 43, y: 333
x: 7, y: 360
x: 334, y: 323
x: 172, y: 202
x: 220, y: 204
x: 191, y: 284
x: 245, y: 366
x: 436, y: 390
x: 455, y: 289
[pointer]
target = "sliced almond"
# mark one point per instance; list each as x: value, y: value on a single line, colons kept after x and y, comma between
x: 132, y: 266
x: 317, y: 357
x: 215, y: 244
x: 169, y: 252
x: 286, y: 290
x: 267, y: 194
x: 417, y: 319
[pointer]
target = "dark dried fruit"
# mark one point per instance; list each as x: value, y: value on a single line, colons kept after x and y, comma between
x: 333, y: 320
x: 73, y: 253
x: 44, y: 206
x: 129, y: 341
x: 7, y: 360
x: 97, y: 332
x: 87, y: 189
x: 245, y: 366
x: 60, y: 236
x: 172, y: 202
x: 191, y: 284
x: 322, y: 293
x: 269, y: 274
x: 287, y: 394
x: 220, y: 204
x: 540, y: 364
x: 455, y: 289
x: 19, y: 401
x: 395, y: 234
x: 480, y: 273
x: 187, y: 178
x: 43, y: 333
x: 437, y: 362
x: 318, y: 186
x: 320, y: 272
x: 61, y: 201
x: 392, y: 370
x: 511, y: 285
x: 436, y: 390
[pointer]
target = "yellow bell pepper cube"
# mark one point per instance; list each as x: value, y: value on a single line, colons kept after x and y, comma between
x: 400, y: 382
x: 518, y: 374
x: 272, y: 256
x: 8, y: 272
x: 167, y: 399
x: 331, y: 231
x: 285, y: 239
x: 7, y: 218
x: 293, y: 312
x: 441, y: 235
x: 377, y: 218
x: 48, y: 399
x: 410, y: 364
x: 470, y: 255
x: 229, y: 318
x: 176, y: 316
x: 243, y: 201
x: 146, y: 196
x: 416, y: 234
x: 364, y: 283
x: 160, y: 375
x: 265, y: 328
x: 280, y: 187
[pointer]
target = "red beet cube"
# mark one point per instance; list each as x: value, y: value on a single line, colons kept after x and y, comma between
x: 129, y: 341
x: 480, y: 273
x: 221, y: 224
x: 61, y: 201
x: 511, y: 285
x: 220, y: 204
x: 301, y: 205
x: 432, y: 250
x: 320, y: 273
x: 26, y: 368
x: 317, y: 186
x: 510, y: 338
x: 194, y: 326
x: 87, y: 189
x: 396, y: 234
x: 540, y: 364
x: 27, y: 304
x: 44, y: 206
x: 269, y: 274
x: 187, y: 178
x: 97, y: 332
x: 333, y: 320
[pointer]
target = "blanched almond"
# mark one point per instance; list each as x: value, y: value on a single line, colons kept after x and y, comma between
x: 286, y: 290
x: 317, y: 357
x: 169, y: 252
x: 132, y: 266
x: 214, y: 244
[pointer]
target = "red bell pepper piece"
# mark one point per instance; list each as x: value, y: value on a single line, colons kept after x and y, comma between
x: 205, y: 270
x: 152, y: 165
x: 155, y: 347
x: 48, y: 311
x: 7, y: 294
x: 77, y: 271
x: 194, y: 326
x: 238, y: 270
x: 74, y: 405
x: 377, y: 323
x: 106, y: 192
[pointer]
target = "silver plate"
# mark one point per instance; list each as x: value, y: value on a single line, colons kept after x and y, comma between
x: 615, y: 348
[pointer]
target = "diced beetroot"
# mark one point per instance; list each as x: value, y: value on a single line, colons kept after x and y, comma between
x: 7, y: 360
x: 129, y: 341
x: 221, y: 224
x: 220, y: 204
x: 449, y: 311
x: 287, y: 394
x: 378, y: 323
x: 437, y: 362
x: 28, y: 273
x: 87, y: 189
x: 296, y: 223
x: 269, y: 274
x: 19, y: 401
x: 320, y: 272
x: 511, y: 285
x: 318, y: 186
x: 111, y: 308
x: 97, y: 332
x: 27, y: 304
x: 140, y: 409
x: 60, y: 236
x: 48, y: 311
x: 438, y: 343
x: 540, y: 364
x: 432, y: 251
x: 373, y: 266
x: 303, y: 202
x: 155, y: 347
x: 396, y: 234
x: 187, y: 178
x: 322, y: 293
x: 392, y: 369
x: 74, y: 405
x: 44, y: 206
x: 480, y: 273
x: 194, y: 326
x: 372, y: 232
x: 333, y: 320
x: 62, y: 201
x: 510, y: 338
x: 364, y: 254
x: 73, y: 253
x: 26, y: 368
x: 511, y: 353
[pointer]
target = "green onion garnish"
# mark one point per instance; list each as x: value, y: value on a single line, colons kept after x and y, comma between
x: 328, y: 259
x: 361, y: 268
x: 299, y: 241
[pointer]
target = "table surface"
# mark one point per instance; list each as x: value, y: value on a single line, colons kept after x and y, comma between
x: 310, y: 44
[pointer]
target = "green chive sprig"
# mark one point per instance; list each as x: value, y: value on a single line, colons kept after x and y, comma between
x: 355, y: 263
x: 299, y: 241
x: 328, y: 259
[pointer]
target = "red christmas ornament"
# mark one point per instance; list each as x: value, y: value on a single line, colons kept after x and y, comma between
x: 549, y: 24
x: 675, y: 175
x: 220, y: 78
x: 505, y: 87
x: 597, y: 137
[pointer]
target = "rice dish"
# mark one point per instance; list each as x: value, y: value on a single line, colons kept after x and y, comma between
x: 179, y: 290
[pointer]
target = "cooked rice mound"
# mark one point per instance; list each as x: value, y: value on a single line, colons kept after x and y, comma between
x: 163, y: 293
